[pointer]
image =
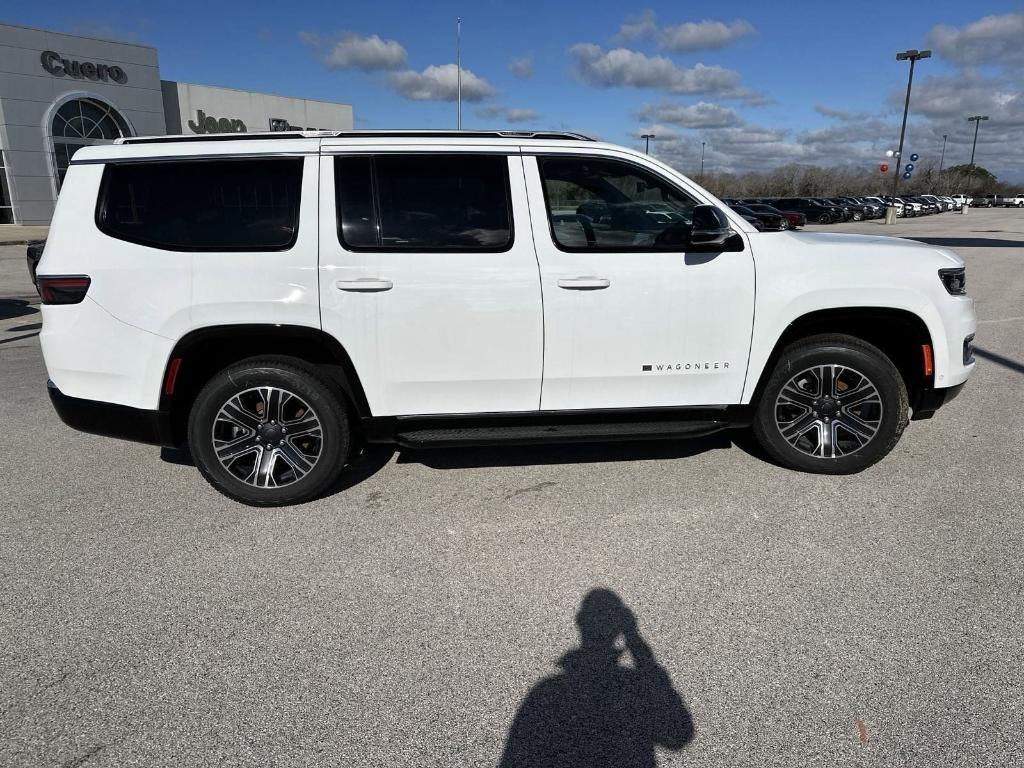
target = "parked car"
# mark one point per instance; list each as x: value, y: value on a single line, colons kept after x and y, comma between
x: 981, y: 202
x: 844, y: 212
x: 770, y: 222
x: 942, y: 204
x: 794, y: 219
x: 962, y: 199
x: 395, y: 287
x: 928, y: 206
x: 813, y: 210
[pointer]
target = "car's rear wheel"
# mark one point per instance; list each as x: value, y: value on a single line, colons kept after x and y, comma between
x: 832, y: 405
x: 269, y: 431
x: 858, y: 216
x: 824, y: 219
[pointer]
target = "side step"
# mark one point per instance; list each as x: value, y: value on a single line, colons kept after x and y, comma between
x: 524, y: 434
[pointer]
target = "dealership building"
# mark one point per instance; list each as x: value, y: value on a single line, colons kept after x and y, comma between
x: 59, y: 92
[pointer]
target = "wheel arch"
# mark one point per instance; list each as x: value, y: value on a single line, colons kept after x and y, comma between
x: 199, y: 354
x: 898, y: 333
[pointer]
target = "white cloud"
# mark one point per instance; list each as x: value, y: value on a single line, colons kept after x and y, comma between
x: 995, y: 40
x: 440, y: 83
x: 508, y: 114
x: 351, y: 51
x: 628, y: 68
x: 521, y: 67
x: 688, y: 37
x: 699, y: 115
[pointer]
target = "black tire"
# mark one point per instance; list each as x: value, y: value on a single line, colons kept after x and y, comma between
x: 298, y: 467
x: 848, y: 422
x: 824, y: 219
x: 858, y: 216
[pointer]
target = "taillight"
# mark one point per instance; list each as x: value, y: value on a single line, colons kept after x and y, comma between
x: 65, y: 289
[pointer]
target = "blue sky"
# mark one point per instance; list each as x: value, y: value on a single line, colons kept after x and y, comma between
x: 762, y: 84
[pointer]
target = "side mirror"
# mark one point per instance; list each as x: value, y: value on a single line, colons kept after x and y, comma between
x: 711, y: 231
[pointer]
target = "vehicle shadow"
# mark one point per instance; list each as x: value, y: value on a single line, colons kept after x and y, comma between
x: 597, y: 711
x: 564, y: 453
x: 16, y: 308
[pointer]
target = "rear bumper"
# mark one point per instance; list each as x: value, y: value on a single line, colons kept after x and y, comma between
x: 112, y: 420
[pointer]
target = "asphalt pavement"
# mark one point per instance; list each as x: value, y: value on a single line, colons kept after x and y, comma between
x: 781, y: 619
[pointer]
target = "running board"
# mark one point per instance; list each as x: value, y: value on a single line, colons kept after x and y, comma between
x: 524, y: 434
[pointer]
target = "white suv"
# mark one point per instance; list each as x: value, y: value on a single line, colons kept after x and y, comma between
x: 275, y: 301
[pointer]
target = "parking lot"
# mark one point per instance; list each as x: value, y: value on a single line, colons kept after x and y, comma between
x: 873, y: 619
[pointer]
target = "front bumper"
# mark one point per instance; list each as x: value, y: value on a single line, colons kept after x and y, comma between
x: 112, y: 420
x: 930, y: 400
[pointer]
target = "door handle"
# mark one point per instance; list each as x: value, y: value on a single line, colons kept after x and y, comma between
x: 584, y: 283
x: 364, y: 285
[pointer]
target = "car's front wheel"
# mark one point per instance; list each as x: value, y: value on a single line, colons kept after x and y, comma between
x: 269, y: 431
x: 824, y: 219
x: 832, y: 405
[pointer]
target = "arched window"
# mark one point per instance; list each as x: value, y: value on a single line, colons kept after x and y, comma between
x: 80, y: 123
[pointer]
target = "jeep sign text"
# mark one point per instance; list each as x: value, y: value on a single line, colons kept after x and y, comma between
x: 55, y: 65
x: 206, y: 124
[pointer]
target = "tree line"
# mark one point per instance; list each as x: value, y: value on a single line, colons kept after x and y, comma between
x: 815, y: 181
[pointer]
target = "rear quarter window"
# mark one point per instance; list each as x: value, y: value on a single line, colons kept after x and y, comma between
x: 203, y: 205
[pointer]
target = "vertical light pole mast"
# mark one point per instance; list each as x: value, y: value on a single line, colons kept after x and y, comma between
x: 647, y: 142
x: 977, y: 122
x: 458, y: 65
x: 913, y: 55
x: 702, y: 161
x: 943, y: 156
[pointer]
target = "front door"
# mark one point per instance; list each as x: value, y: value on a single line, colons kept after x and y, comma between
x: 429, y: 280
x: 631, y: 320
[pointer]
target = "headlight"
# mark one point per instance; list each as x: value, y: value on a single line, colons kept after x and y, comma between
x: 955, y: 280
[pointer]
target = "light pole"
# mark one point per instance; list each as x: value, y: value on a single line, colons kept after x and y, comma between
x: 913, y: 55
x: 458, y: 65
x: 943, y: 157
x: 977, y: 122
x: 702, y: 161
x: 647, y: 141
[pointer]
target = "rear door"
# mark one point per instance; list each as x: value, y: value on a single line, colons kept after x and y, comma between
x: 429, y: 279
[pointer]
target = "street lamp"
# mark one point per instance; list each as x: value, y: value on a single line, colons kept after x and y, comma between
x: 647, y: 141
x: 702, y: 161
x: 977, y: 122
x: 913, y: 55
x: 943, y: 157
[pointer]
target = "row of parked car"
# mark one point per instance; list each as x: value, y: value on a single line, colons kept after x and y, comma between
x: 780, y: 213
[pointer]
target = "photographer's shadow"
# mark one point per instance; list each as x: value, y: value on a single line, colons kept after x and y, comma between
x: 598, y: 711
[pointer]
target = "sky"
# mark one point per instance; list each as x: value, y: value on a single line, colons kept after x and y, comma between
x: 761, y: 84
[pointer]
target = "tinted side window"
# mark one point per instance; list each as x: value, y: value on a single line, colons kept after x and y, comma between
x: 203, y: 205
x: 424, y: 202
x: 610, y: 205
x: 353, y: 190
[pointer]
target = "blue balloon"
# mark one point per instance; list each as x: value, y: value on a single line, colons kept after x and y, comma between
x: 909, y: 167
x: 906, y: 175
x: 913, y: 158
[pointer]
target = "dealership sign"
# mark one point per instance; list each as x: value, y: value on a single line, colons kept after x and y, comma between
x: 56, y: 65
x: 205, y: 123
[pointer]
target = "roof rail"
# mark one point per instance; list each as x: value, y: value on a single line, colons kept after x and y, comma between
x: 445, y: 134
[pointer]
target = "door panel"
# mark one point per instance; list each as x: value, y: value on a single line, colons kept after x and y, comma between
x: 431, y: 332
x: 628, y: 325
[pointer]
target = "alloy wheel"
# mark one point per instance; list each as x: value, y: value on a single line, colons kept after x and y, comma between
x: 267, y: 437
x: 828, y: 411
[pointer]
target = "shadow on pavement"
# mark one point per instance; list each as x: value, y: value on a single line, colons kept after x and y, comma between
x: 598, y: 712
x: 1006, y: 362
x: 15, y: 308
x: 565, y: 453
x: 968, y: 242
